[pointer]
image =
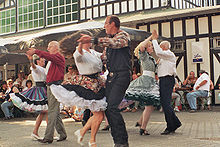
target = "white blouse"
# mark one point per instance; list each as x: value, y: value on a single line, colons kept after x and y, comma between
x: 89, y: 62
x: 39, y: 74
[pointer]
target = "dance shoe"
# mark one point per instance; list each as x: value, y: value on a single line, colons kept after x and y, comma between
x: 167, y: 132
x: 45, y: 141
x: 143, y: 132
x: 91, y: 144
x: 35, y: 137
x: 79, y: 137
x: 61, y: 139
x: 137, y: 124
x: 106, y: 128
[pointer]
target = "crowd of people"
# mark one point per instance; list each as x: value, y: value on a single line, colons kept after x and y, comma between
x: 91, y: 91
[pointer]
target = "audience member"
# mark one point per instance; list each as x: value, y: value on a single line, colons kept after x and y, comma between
x: 200, y: 89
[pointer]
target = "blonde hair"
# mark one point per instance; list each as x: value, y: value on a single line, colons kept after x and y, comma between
x: 136, y: 50
x: 9, y: 80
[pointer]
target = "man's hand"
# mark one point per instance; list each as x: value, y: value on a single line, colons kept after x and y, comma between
x: 29, y: 57
x: 31, y: 51
x: 85, y: 39
x: 154, y: 35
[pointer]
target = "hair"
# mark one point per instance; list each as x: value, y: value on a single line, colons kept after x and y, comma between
x: 202, y: 72
x: 28, y: 81
x: 69, y: 43
x: 167, y: 42
x: 116, y: 20
x: 136, y: 50
x: 9, y: 80
x: 35, y: 60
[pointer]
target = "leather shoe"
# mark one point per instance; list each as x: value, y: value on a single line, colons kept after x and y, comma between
x: 45, y: 141
x: 61, y: 139
x: 167, y: 132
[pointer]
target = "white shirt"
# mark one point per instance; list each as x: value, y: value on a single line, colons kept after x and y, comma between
x: 167, y: 64
x: 38, y: 74
x: 88, y: 63
x: 206, y: 86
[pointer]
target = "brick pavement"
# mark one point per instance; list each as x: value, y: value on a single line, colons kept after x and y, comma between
x: 198, y: 130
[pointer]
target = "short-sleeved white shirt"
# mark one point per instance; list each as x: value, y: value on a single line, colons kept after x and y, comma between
x: 203, y: 77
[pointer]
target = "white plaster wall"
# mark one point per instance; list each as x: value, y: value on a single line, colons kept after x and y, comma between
x: 190, y: 66
x: 216, y: 23
x: 153, y: 27
x: 177, y: 28
x: 190, y: 27
x: 166, y: 29
x: 180, y: 70
x: 143, y: 28
x: 203, y: 25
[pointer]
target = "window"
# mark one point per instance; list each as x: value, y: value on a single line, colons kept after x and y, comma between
x: 7, y: 21
x: 30, y: 14
x: 61, y: 11
x: 178, y: 46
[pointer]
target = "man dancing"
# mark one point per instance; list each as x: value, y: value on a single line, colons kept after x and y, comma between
x: 166, y: 73
x: 55, y: 75
x: 118, y: 79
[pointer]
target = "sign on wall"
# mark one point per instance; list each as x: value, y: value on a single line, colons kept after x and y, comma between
x: 197, y: 52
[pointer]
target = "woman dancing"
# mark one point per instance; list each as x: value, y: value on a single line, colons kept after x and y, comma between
x: 87, y: 90
x: 34, y: 99
x: 145, y: 88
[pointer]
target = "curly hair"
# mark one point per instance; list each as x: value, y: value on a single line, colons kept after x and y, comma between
x: 69, y: 43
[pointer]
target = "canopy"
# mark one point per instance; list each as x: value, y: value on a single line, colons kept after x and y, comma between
x: 43, y: 37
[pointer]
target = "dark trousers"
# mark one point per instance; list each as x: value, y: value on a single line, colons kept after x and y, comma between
x: 86, y: 115
x: 166, y: 88
x: 116, y: 85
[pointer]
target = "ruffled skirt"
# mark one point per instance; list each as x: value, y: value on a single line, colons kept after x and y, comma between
x: 145, y: 90
x: 75, y: 95
x: 31, y: 100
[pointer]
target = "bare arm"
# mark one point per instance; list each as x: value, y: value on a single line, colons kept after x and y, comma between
x: 31, y: 61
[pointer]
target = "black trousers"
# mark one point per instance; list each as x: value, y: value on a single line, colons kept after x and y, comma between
x: 116, y: 85
x: 166, y: 88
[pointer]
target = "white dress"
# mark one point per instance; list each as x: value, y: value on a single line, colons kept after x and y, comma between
x: 87, y: 90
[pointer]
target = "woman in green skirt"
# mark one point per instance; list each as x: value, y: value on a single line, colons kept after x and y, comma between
x: 145, y: 88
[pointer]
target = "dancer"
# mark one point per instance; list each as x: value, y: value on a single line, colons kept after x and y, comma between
x: 118, y: 80
x: 55, y: 73
x: 87, y: 91
x: 145, y: 88
x: 166, y: 73
x: 34, y: 99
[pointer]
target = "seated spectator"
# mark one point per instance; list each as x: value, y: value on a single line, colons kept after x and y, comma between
x: 28, y: 85
x: 7, y: 104
x: 200, y: 89
x: 20, y: 79
x: 190, y: 80
x: 207, y: 101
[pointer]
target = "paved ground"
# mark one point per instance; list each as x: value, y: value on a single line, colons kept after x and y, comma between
x: 198, y: 130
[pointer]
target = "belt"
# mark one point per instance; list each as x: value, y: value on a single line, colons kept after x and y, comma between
x: 149, y: 73
x: 93, y: 76
x: 40, y: 84
x: 111, y: 73
x: 167, y: 76
x: 55, y: 82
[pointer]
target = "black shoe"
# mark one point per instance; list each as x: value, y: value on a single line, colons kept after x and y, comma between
x: 106, y: 128
x: 6, y: 118
x: 137, y: 125
x: 121, y: 145
x: 167, y: 132
x: 61, y: 139
x: 45, y: 141
x: 143, y: 132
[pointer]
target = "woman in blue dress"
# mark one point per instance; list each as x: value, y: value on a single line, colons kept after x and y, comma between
x: 145, y: 88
